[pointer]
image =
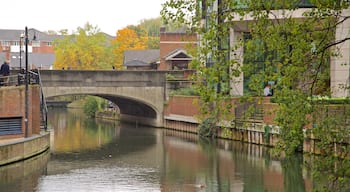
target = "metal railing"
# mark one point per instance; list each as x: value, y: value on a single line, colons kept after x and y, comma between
x: 43, y: 105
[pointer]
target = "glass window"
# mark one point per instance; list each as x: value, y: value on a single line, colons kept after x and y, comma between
x: 6, y: 43
x: 36, y: 43
x: 16, y: 43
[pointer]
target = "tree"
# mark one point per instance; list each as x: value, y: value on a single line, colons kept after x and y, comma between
x: 87, y: 49
x: 211, y: 62
x: 294, y: 53
x: 127, y: 39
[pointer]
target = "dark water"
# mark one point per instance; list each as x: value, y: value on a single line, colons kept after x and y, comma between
x: 88, y: 156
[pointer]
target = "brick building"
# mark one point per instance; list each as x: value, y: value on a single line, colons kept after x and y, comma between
x: 174, y: 49
x: 40, y: 48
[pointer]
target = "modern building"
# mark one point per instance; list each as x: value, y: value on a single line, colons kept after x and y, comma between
x: 40, y: 48
x: 339, y: 66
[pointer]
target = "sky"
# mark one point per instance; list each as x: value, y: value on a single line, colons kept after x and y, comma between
x: 108, y: 15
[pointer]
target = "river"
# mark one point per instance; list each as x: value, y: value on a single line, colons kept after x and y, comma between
x: 88, y: 155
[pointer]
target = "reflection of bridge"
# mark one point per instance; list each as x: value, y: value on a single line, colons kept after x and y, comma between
x: 140, y: 95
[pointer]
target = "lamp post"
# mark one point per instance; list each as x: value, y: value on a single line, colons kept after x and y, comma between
x: 26, y: 83
x: 20, y: 52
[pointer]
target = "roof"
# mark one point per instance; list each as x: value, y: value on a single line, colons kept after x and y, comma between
x: 136, y: 63
x: 44, y: 60
x: 144, y: 56
x: 178, y: 54
x: 15, y: 34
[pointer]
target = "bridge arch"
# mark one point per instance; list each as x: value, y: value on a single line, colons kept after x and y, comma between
x: 140, y: 95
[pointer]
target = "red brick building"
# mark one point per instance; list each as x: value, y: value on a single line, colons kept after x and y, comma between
x: 174, y: 49
x: 40, y: 48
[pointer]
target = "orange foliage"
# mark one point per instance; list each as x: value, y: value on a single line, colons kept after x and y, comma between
x: 127, y: 39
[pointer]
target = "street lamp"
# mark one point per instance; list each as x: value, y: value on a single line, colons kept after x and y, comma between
x: 26, y: 81
x: 20, y: 52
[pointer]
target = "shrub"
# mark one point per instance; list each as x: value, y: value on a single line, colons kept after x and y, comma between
x: 90, y: 106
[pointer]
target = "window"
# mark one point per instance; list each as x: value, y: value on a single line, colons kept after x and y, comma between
x: 16, y: 43
x: 36, y: 43
x: 6, y: 43
x: 49, y: 43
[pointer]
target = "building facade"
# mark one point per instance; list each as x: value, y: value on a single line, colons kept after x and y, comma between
x: 174, y: 49
x: 339, y: 66
x: 40, y: 48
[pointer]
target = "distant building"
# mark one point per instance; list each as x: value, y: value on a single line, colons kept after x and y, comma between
x: 141, y: 59
x: 40, y: 48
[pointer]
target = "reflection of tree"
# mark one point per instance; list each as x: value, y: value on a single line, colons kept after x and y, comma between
x: 292, y: 173
x: 214, y: 169
x: 330, y: 173
x: 79, y: 132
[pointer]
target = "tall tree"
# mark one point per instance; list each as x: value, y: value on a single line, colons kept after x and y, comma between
x: 87, y: 49
x: 151, y: 29
x: 127, y: 39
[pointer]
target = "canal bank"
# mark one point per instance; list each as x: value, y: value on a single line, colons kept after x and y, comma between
x: 182, y: 114
x: 18, y: 149
x: 22, y: 134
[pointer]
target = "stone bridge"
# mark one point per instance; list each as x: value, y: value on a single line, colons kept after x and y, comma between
x: 140, y: 95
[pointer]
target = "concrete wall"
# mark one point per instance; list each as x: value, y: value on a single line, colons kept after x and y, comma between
x: 340, y: 66
x: 24, y: 148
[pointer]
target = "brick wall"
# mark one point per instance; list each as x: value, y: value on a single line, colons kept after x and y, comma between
x: 172, y: 41
x: 12, y: 104
x: 182, y: 105
x: 188, y: 106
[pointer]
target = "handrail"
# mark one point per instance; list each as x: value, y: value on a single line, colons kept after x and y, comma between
x: 44, y: 108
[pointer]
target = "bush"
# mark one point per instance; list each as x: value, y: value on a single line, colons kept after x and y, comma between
x: 90, y: 106
x: 187, y: 91
x: 207, y: 128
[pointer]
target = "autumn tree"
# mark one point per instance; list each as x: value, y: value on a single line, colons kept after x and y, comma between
x: 127, y: 39
x: 87, y: 49
x: 149, y: 28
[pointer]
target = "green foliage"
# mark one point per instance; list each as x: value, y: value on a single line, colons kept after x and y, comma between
x: 90, y: 106
x: 267, y: 130
x: 294, y: 53
x: 87, y: 49
x: 188, y: 91
x: 207, y: 128
x: 149, y: 28
x: 211, y: 62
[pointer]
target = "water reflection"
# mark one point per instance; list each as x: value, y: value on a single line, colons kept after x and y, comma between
x: 23, y: 175
x: 74, y: 133
x: 228, y: 166
x: 89, y: 155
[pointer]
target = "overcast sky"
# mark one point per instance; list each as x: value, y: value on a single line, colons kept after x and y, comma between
x: 108, y: 15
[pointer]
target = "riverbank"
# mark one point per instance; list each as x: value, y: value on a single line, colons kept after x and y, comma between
x: 18, y: 149
x: 182, y: 111
x: 22, y: 134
